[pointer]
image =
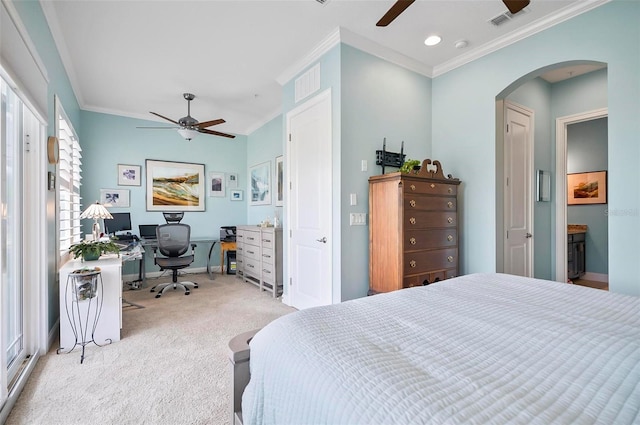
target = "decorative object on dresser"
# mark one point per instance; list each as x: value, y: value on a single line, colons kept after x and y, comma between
x: 413, y: 228
x: 259, y: 257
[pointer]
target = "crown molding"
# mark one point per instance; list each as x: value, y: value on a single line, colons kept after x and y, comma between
x: 572, y: 10
x: 264, y: 120
x: 51, y: 17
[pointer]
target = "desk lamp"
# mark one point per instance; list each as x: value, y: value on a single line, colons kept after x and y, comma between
x: 96, y: 211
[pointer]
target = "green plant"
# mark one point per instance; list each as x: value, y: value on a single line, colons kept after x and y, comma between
x: 93, y: 250
x: 408, y: 166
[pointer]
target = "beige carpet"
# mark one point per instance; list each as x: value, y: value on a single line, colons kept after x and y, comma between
x: 170, y: 367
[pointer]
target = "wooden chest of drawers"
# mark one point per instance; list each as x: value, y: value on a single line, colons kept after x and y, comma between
x: 413, y: 229
x: 259, y: 257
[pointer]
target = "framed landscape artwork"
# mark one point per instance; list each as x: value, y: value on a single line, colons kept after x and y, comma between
x: 175, y: 186
x: 260, y: 181
x: 587, y: 188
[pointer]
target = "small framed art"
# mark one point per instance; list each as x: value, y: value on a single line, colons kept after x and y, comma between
x: 236, y: 195
x: 114, y: 198
x: 215, y: 183
x: 232, y: 180
x: 587, y: 188
x: 129, y: 175
x: 279, y: 181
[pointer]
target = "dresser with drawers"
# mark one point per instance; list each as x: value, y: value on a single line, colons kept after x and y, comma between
x: 259, y: 257
x: 413, y: 228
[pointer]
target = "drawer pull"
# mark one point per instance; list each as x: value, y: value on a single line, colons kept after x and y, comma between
x: 250, y: 265
x: 412, y: 241
x: 413, y: 187
x: 450, y: 204
x: 450, y: 220
x: 266, y: 271
x: 432, y: 185
x: 450, y: 190
x: 250, y: 252
x: 412, y: 220
x: 266, y: 255
x: 266, y: 240
x: 412, y: 263
x: 412, y: 203
x: 449, y: 238
x: 450, y: 259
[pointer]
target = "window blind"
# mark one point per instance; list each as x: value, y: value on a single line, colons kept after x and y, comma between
x: 69, y: 178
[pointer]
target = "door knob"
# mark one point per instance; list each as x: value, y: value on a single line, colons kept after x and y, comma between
x: 323, y: 240
x: 528, y: 235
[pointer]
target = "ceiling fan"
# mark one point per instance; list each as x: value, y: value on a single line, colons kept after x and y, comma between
x: 399, y: 6
x: 189, y: 127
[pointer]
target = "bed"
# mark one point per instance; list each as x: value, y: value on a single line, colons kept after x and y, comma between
x: 481, y: 348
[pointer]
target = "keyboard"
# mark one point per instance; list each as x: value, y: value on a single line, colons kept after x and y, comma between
x: 127, y: 237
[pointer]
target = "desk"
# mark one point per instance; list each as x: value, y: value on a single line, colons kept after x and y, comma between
x: 153, y: 243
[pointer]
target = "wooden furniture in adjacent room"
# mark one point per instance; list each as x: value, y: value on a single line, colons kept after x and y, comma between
x: 224, y: 247
x: 576, y: 236
x: 259, y: 257
x: 413, y: 228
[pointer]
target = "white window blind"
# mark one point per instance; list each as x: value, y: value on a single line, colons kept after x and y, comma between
x: 69, y: 177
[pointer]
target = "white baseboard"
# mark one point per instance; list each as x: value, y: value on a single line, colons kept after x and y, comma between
x: 598, y: 277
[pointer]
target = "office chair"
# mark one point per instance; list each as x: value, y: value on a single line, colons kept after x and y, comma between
x: 173, y: 242
x: 173, y: 217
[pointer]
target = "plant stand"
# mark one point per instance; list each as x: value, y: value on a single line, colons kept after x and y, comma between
x: 86, y: 305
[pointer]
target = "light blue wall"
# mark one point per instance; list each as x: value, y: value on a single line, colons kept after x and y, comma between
x: 464, y: 133
x: 536, y: 95
x: 33, y: 19
x: 264, y: 145
x: 379, y: 99
x: 109, y: 140
x: 587, y: 151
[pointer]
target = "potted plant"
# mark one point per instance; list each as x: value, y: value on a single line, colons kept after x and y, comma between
x: 92, y: 250
x: 410, y: 166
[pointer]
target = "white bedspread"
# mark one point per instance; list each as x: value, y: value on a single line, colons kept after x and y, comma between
x: 478, y: 349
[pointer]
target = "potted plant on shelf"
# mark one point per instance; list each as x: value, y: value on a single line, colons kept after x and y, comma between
x: 92, y: 250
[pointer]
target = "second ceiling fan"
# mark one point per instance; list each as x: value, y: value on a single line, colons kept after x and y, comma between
x: 399, y: 6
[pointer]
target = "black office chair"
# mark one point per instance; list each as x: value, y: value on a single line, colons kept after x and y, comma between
x: 173, y: 242
x: 173, y: 217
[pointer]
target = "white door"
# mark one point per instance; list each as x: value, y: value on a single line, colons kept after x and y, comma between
x: 518, y: 191
x: 309, y: 206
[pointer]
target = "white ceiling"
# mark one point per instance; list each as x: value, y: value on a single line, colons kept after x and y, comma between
x: 131, y: 57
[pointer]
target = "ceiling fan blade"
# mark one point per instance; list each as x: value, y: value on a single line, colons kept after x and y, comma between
x: 163, y: 117
x: 515, y: 6
x: 210, y: 123
x: 216, y: 133
x: 394, y: 12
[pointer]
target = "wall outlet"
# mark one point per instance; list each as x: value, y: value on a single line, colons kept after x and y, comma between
x: 353, y: 199
x: 363, y: 165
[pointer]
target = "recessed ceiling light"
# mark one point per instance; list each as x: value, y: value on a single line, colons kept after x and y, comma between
x: 432, y: 40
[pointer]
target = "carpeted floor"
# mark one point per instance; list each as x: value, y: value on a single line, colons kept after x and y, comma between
x: 170, y: 367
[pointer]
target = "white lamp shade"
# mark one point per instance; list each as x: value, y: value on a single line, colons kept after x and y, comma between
x: 96, y: 211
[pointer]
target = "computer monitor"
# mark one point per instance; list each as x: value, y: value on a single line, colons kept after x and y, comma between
x: 119, y: 223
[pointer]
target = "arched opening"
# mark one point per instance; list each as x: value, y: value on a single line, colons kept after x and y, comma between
x: 558, y: 94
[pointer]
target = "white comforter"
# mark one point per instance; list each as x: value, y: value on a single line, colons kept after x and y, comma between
x: 478, y: 349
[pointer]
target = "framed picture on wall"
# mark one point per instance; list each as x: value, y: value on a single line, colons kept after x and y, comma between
x: 215, y: 183
x: 260, y: 181
x: 175, y: 186
x: 114, y: 198
x: 279, y: 181
x: 236, y: 195
x: 129, y: 175
x: 587, y: 188
x: 232, y: 180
